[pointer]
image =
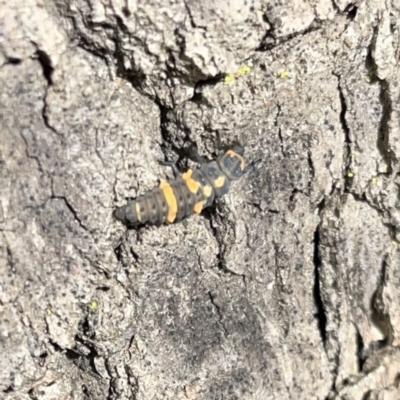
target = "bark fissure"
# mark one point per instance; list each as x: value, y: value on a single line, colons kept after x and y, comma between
x: 321, y: 315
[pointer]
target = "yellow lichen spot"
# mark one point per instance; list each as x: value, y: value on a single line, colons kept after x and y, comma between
x: 219, y: 182
x: 229, y: 78
x: 350, y: 174
x: 394, y: 242
x: 207, y: 190
x: 284, y: 74
x: 93, y: 305
x: 243, y: 70
x: 198, y: 207
x: 49, y: 311
x: 383, y: 168
x: 374, y: 180
x: 170, y: 200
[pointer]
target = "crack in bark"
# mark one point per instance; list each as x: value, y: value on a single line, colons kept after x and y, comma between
x: 281, y: 140
x: 45, y: 61
x: 189, y: 12
x: 70, y: 208
x: 360, y: 348
x: 218, y: 310
x: 10, y: 257
x: 311, y: 169
x: 384, y: 128
x: 12, y: 61
x: 168, y: 145
x: 321, y: 315
x: 36, y: 158
x: 379, y: 314
x: 346, y: 130
x: 221, y: 265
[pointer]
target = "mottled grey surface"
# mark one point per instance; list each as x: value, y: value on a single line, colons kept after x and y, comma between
x: 288, y: 288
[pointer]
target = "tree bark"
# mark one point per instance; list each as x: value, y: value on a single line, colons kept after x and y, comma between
x: 286, y: 288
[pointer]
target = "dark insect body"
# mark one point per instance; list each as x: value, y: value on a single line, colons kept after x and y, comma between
x: 188, y: 193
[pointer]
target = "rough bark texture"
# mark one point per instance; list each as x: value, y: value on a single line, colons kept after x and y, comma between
x: 288, y: 288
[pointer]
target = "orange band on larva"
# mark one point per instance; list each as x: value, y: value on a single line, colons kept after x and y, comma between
x: 198, y: 207
x: 171, y: 201
x: 231, y: 154
x: 138, y: 212
x: 207, y: 191
x: 187, y: 175
x: 192, y: 185
x: 188, y: 194
x: 219, y: 182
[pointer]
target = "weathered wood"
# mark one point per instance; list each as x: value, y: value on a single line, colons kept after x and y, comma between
x: 287, y: 288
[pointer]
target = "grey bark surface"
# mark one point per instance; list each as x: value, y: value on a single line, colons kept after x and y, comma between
x: 287, y: 288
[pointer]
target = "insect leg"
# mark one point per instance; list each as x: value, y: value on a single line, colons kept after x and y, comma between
x: 218, y: 139
x: 252, y: 166
x: 172, y: 165
x: 195, y: 154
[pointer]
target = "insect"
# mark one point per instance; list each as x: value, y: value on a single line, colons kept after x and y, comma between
x: 188, y: 193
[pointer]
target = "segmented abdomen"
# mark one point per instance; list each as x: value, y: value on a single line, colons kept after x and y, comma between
x: 186, y: 195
